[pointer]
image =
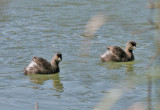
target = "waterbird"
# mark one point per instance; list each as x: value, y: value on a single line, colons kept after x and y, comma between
x: 117, y: 54
x: 41, y: 66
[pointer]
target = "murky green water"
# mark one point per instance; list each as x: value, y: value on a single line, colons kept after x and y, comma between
x: 42, y: 27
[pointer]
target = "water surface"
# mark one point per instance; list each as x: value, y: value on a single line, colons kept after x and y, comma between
x: 43, y: 27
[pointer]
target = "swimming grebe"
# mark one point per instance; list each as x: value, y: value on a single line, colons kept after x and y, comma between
x: 117, y: 54
x: 42, y: 66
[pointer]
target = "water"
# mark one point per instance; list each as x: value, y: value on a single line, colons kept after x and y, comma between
x: 42, y: 27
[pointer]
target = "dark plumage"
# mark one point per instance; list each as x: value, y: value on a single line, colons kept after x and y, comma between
x: 117, y: 54
x: 42, y: 66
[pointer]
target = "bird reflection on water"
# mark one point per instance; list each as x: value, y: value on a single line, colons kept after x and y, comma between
x: 40, y: 79
x: 129, y: 66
